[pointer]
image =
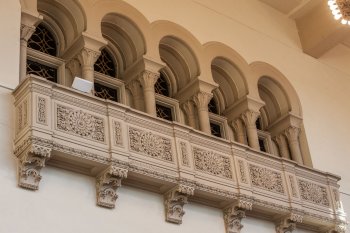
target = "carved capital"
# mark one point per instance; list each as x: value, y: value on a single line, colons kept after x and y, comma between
x: 74, y: 67
x: 148, y: 79
x: 233, y: 217
x: 202, y: 99
x: 288, y: 223
x: 107, y: 184
x: 249, y: 118
x: 282, y: 145
x: 134, y: 87
x: 188, y: 108
x: 174, y: 202
x: 88, y: 57
x: 26, y: 32
x: 30, y: 164
x: 292, y: 133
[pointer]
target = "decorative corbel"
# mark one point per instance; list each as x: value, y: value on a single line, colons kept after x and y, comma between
x: 174, y: 201
x: 107, y: 184
x: 234, y: 214
x: 338, y: 228
x: 30, y: 164
x: 288, y: 223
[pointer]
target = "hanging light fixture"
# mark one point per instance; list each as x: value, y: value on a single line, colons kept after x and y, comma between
x: 341, y: 10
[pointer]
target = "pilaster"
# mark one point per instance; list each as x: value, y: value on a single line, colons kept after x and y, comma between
x: 174, y: 202
x: 107, y: 184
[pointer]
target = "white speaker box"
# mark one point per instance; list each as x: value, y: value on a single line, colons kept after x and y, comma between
x: 82, y: 85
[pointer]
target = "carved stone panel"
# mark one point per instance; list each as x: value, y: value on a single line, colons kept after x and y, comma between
x: 150, y: 144
x: 184, y: 153
x: 22, y: 116
x: 117, y: 129
x: 242, y: 171
x: 41, y: 111
x: 214, y: 164
x: 266, y: 179
x: 293, y: 186
x: 314, y: 193
x: 80, y: 123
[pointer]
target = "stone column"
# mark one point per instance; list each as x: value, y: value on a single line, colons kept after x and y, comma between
x: 189, y: 110
x: 26, y: 33
x: 201, y: 100
x: 238, y: 128
x: 135, y: 88
x: 292, y: 134
x: 249, y: 118
x: 282, y: 145
x: 87, y: 58
x: 147, y: 80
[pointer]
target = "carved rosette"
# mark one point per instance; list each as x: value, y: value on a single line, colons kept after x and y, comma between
x: 288, y: 223
x: 174, y: 202
x: 30, y: 163
x: 107, y: 184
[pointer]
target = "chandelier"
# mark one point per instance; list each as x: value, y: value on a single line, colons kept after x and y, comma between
x: 341, y: 10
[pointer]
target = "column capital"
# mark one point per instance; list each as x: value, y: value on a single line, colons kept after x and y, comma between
x: 249, y: 117
x: 174, y: 201
x: 292, y: 133
x: 27, y: 31
x: 107, y: 184
x: 148, y: 79
x: 134, y: 87
x: 282, y: 145
x: 74, y: 67
x: 88, y: 57
x: 202, y: 99
x: 188, y: 107
x: 239, y: 130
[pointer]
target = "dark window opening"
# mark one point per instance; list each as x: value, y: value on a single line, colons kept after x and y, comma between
x: 212, y: 107
x: 105, y: 92
x: 105, y: 64
x: 258, y: 123
x: 262, y: 145
x: 42, y: 70
x: 43, y: 41
x: 215, y: 129
x: 161, y: 87
x: 164, y: 112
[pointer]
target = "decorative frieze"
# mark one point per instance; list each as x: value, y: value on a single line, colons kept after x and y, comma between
x: 266, y: 179
x: 80, y: 123
x: 150, y: 144
x: 242, y: 171
x: 174, y: 202
x: 41, y: 111
x: 107, y: 184
x: 184, y: 154
x: 212, y: 163
x: 314, y: 193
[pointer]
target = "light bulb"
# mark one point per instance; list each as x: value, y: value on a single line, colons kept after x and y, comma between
x: 333, y: 7
x: 335, y: 12
x: 331, y: 2
x: 338, y: 16
x: 343, y: 21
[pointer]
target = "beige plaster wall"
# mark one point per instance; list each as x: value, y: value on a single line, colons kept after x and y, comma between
x: 65, y: 201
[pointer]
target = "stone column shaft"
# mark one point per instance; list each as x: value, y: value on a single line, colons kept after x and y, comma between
x: 189, y: 110
x: 87, y: 59
x: 201, y: 100
x: 136, y: 91
x: 147, y: 80
x: 26, y: 33
x: 292, y: 134
x: 249, y: 118
x: 282, y: 145
x: 238, y: 128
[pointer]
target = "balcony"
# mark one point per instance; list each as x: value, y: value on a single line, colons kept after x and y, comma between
x: 61, y: 127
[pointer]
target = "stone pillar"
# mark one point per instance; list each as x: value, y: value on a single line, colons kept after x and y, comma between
x: 189, y: 110
x: 292, y: 134
x: 238, y: 128
x: 147, y: 80
x: 249, y: 118
x: 201, y: 100
x: 282, y: 145
x: 26, y: 32
x: 135, y: 88
x: 87, y: 58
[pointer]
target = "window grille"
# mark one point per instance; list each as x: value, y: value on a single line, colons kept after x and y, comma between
x: 105, y: 92
x: 215, y: 129
x: 105, y: 64
x: 164, y: 112
x: 43, y: 41
x: 42, y: 70
x: 161, y: 86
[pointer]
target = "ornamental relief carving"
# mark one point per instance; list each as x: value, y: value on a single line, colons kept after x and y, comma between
x: 184, y: 153
x: 242, y: 171
x: 150, y: 144
x: 214, y: 164
x: 118, y: 140
x: 80, y: 123
x: 41, y: 110
x: 266, y: 179
x: 293, y: 186
x: 22, y: 115
x: 314, y: 193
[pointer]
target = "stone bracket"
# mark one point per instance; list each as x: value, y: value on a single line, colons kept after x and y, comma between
x: 174, y: 201
x: 288, y: 223
x: 338, y: 228
x: 30, y: 163
x: 107, y: 184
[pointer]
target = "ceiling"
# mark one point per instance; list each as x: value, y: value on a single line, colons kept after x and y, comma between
x: 309, y: 15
